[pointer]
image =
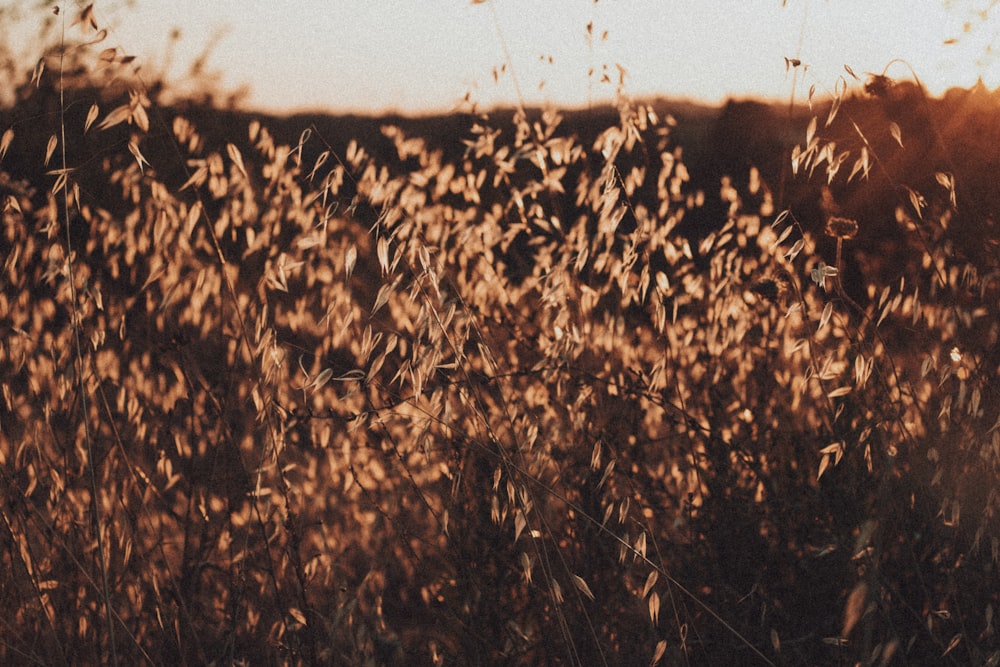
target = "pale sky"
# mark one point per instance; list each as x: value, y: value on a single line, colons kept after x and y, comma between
x: 427, y: 55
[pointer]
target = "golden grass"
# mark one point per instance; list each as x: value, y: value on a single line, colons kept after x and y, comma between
x: 347, y: 410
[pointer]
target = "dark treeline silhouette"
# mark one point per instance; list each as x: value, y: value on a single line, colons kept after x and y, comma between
x: 956, y: 135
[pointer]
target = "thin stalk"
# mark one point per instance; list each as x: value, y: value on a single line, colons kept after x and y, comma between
x: 78, y: 347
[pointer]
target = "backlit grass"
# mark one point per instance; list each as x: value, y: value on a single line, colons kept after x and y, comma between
x: 260, y: 408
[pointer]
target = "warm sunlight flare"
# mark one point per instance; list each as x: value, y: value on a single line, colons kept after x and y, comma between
x: 372, y: 56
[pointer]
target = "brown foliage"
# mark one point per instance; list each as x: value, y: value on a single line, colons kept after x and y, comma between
x: 309, y: 406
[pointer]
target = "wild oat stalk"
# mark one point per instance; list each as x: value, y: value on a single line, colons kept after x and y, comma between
x: 76, y: 323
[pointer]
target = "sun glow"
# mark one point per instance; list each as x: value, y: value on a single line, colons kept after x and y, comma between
x: 364, y: 56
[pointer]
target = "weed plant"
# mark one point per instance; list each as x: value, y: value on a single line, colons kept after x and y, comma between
x: 264, y: 409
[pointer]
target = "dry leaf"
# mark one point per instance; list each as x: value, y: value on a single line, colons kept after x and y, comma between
x: 854, y: 608
x: 834, y: 108
x: 117, y: 116
x: 519, y: 525
x: 350, y: 259
x: 650, y: 582
x: 140, y: 118
x: 640, y: 544
x: 134, y: 150
x: 8, y: 136
x: 91, y: 117
x: 50, y: 148
x: 61, y: 175
x: 582, y: 585
x: 237, y: 158
x: 825, y: 317
x: 661, y: 649
x: 557, y: 592
x: 824, y: 463
x: 952, y: 644
x: 526, y: 566
x: 192, y: 218
x: 36, y: 76
x: 896, y: 133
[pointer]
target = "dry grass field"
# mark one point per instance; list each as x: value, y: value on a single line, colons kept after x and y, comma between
x: 270, y: 402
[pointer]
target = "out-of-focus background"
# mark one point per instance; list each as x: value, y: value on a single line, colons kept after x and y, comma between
x: 366, y: 56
